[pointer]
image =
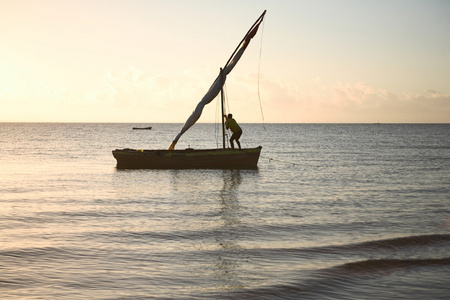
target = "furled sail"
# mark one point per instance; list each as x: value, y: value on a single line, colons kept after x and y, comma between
x: 220, y: 80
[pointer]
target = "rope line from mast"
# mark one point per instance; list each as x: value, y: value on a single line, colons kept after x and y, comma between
x: 259, y: 73
x: 219, y: 117
x: 226, y: 111
x: 288, y: 162
x: 216, y: 123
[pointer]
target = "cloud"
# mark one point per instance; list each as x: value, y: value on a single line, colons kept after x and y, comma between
x: 122, y: 96
x: 352, y: 102
x: 133, y: 96
x: 158, y: 98
x: 365, y: 101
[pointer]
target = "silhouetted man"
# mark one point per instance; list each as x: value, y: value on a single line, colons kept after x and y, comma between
x: 234, y: 127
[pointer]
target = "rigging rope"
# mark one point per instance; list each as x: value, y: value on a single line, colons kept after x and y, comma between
x: 287, y: 162
x: 216, y: 123
x: 226, y: 111
x: 219, y: 117
x: 225, y: 96
x: 259, y: 73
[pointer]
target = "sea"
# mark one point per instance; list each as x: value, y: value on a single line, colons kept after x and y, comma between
x: 334, y: 211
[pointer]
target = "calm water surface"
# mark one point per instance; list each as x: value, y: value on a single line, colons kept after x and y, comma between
x: 342, y: 211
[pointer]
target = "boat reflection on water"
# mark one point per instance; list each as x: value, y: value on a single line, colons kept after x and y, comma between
x: 229, y: 256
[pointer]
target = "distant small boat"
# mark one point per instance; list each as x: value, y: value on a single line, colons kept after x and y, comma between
x: 142, y: 128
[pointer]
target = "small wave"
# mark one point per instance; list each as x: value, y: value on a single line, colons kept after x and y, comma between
x: 377, y: 266
x: 352, y: 280
x: 389, y: 244
x: 364, y: 249
x: 377, y: 246
x: 27, y: 253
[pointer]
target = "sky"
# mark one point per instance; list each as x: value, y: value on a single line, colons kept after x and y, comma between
x: 151, y: 61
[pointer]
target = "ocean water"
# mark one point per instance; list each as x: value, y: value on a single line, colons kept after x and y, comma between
x: 334, y: 211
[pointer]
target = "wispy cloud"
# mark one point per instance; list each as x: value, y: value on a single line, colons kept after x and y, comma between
x: 352, y: 102
x: 133, y: 96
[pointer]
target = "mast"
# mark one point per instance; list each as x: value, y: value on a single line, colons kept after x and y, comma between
x: 223, y: 111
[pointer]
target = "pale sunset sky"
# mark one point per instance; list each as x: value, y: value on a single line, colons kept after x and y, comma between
x: 151, y: 61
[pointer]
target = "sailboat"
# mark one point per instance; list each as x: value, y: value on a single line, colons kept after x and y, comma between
x: 221, y: 158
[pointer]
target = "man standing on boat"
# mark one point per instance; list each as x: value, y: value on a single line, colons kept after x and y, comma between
x: 235, y: 128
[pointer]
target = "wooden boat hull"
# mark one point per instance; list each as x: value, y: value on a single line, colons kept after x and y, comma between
x: 187, y: 159
x: 142, y: 128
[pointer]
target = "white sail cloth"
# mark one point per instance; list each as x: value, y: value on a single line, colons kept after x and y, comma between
x: 218, y: 83
x: 210, y: 95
